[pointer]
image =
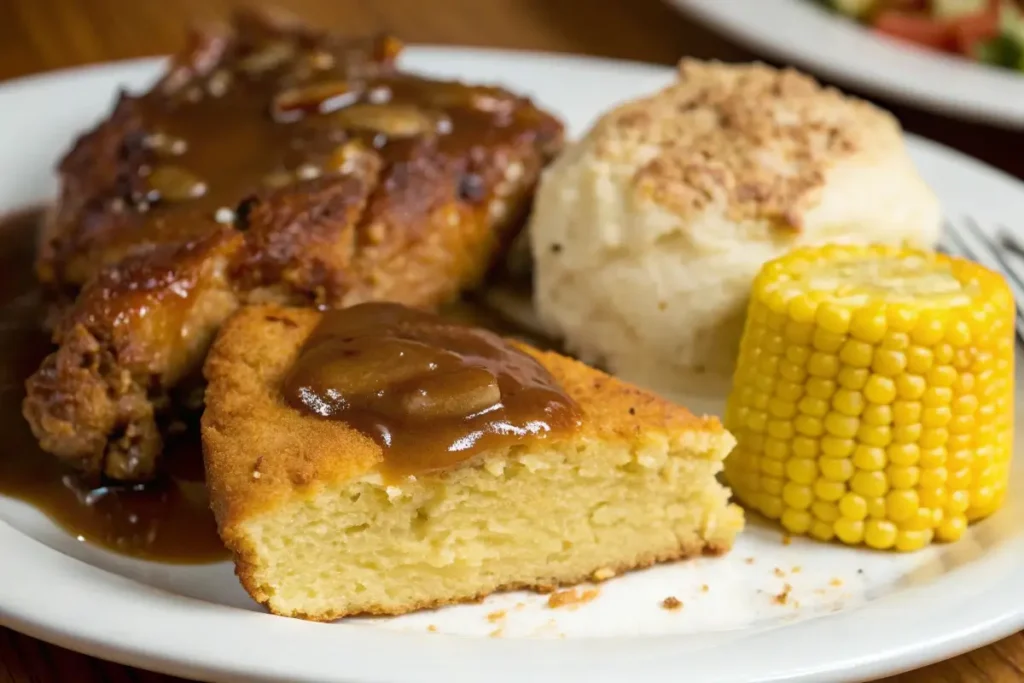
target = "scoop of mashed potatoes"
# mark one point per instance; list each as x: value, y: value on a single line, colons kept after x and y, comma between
x: 647, y: 234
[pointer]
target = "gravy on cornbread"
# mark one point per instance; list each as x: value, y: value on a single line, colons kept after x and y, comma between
x: 432, y: 393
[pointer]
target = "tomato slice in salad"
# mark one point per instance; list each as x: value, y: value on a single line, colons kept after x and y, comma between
x: 961, y: 34
x: 915, y: 28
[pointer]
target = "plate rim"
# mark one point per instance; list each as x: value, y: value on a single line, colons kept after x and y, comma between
x: 951, y: 86
x: 64, y: 619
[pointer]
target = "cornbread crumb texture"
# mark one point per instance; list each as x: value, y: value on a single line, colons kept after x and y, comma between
x: 648, y: 232
x: 259, y: 344
x: 572, y: 597
x: 320, y: 535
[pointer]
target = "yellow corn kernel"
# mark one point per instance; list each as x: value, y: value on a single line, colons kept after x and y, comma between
x: 822, y: 365
x: 880, y: 534
x: 919, y: 360
x: 848, y: 402
x: 869, y: 457
x: 836, y: 469
x: 889, y: 363
x: 828, y: 491
x: 880, y: 389
x: 796, y: 521
x: 842, y: 426
x: 877, y: 415
x: 901, y: 505
x: 952, y: 528
x: 856, y: 354
x: 873, y: 395
x: 852, y: 378
x: 822, y: 531
x: 797, y: 496
x: 909, y: 540
x: 849, y: 531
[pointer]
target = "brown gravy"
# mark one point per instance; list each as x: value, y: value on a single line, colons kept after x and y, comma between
x: 432, y: 393
x: 168, y: 521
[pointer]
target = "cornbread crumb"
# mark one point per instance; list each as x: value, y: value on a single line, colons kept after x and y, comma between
x: 604, y: 573
x: 497, y: 633
x: 783, y: 597
x: 432, y: 628
x: 572, y: 597
x: 496, y: 616
x: 520, y: 605
x: 671, y: 603
x: 796, y: 569
x: 705, y: 588
x: 836, y: 582
x: 749, y: 560
x: 778, y: 572
x: 786, y: 539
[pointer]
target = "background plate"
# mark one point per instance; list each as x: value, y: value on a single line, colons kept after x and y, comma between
x: 800, y: 32
x: 847, y: 614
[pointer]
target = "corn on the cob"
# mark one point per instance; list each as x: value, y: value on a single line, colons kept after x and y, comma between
x: 873, y: 396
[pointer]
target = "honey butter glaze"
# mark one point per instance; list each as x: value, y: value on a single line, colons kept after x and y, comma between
x: 430, y: 392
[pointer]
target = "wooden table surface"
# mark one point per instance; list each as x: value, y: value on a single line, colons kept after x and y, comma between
x: 37, y: 35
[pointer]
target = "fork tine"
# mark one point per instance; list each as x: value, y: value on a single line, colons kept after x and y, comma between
x: 1008, y: 241
x: 1007, y: 269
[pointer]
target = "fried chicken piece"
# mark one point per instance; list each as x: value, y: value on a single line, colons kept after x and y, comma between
x: 272, y: 163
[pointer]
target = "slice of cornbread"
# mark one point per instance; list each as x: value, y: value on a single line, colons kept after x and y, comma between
x: 318, y: 533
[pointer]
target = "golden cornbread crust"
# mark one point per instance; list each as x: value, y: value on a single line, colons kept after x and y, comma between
x: 248, y: 361
x: 246, y: 416
x: 244, y: 571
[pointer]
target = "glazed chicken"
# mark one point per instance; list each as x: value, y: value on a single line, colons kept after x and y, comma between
x: 271, y: 163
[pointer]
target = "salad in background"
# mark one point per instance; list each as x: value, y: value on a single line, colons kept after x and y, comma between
x: 989, y: 31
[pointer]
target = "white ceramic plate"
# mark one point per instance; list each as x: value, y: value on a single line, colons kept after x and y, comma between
x: 849, y: 614
x: 800, y: 32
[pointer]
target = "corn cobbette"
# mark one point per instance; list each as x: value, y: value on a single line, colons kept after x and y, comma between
x: 873, y: 396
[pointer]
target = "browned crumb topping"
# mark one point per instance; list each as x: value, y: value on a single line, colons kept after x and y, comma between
x: 496, y: 616
x: 783, y: 597
x: 572, y: 597
x: 671, y: 603
x: 724, y: 131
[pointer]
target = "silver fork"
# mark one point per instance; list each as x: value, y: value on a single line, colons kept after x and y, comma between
x: 968, y: 240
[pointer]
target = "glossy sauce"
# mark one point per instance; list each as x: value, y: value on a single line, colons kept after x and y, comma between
x: 168, y: 521
x: 432, y: 393
x: 202, y: 148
